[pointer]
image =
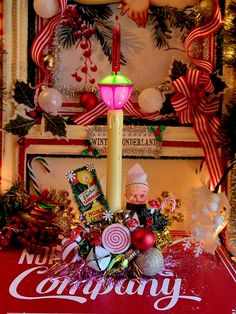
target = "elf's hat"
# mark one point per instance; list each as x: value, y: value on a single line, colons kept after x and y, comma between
x: 136, y: 176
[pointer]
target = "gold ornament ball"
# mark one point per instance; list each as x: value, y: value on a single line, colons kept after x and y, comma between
x: 150, y: 262
x: 206, y: 8
x: 49, y: 62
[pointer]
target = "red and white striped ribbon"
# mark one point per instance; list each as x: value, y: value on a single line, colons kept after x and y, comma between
x: 202, y: 32
x: 43, y: 39
x: 201, y: 114
x: 86, y: 118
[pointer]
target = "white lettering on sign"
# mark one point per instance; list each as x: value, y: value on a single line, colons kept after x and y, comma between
x: 165, y: 290
x: 136, y: 140
x: 89, y: 195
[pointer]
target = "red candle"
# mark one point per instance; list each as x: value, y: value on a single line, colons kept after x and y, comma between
x: 116, y: 46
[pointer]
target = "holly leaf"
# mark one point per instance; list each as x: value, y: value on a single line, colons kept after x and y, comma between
x: 178, y: 69
x: 19, y: 126
x: 24, y: 94
x: 55, y: 124
x: 218, y: 83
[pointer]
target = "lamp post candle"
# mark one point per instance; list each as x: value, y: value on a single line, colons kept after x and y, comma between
x: 115, y: 90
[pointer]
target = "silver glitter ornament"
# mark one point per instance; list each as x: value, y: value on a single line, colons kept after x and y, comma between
x: 150, y: 262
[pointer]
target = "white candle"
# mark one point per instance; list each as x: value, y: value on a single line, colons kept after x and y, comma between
x: 114, y: 159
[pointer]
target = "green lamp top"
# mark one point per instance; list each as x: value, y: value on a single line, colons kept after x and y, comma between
x: 115, y: 79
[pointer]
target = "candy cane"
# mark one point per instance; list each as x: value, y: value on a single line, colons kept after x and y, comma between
x: 32, y: 174
x: 166, y: 201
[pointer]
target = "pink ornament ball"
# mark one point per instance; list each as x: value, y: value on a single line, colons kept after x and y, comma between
x: 46, y: 8
x: 50, y: 100
x: 143, y: 239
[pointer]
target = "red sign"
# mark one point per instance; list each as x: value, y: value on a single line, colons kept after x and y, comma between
x: 189, y: 285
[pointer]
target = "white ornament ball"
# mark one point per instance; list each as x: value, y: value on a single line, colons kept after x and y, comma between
x: 215, y: 198
x: 194, y: 216
x: 50, y: 100
x: 98, y: 258
x: 205, y: 211
x: 46, y: 8
x: 150, y: 262
x: 213, y: 206
x: 218, y: 220
x: 150, y: 100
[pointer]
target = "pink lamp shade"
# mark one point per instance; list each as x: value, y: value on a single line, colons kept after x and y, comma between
x: 115, y: 90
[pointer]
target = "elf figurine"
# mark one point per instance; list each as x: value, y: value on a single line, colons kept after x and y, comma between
x: 136, y: 192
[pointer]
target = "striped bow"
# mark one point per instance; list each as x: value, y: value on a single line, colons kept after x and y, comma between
x: 192, y: 106
x: 130, y: 108
x: 43, y: 39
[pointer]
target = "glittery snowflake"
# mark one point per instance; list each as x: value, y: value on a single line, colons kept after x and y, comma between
x: 90, y: 167
x: 108, y: 215
x: 187, y: 244
x: 70, y: 176
x: 198, y: 250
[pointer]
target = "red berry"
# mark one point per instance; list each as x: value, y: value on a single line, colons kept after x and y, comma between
x: 78, y: 34
x: 88, y: 33
x: 38, y: 120
x: 78, y: 78
x: 8, y: 235
x: 32, y: 114
x: 4, y: 243
x: 84, y: 45
x: 83, y: 27
x: 93, y: 68
x: 35, y: 229
x: 30, y: 224
x: 92, y: 81
x: 84, y: 69
x: 87, y: 53
x: 64, y: 22
x: 79, y: 21
x: 16, y: 219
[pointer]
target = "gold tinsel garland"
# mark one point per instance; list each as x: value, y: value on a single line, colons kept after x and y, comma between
x: 231, y: 228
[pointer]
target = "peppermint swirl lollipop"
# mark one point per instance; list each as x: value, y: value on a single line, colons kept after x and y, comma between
x: 116, y: 238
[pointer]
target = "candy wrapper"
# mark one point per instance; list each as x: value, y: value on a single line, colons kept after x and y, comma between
x: 88, y: 194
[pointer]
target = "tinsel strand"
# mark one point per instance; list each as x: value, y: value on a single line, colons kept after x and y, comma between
x: 231, y: 229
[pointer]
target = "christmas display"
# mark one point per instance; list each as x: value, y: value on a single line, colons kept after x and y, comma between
x: 121, y: 243
x: 100, y: 240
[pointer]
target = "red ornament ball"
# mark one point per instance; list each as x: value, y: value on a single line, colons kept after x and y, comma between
x: 143, y: 239
x: 88, y: 100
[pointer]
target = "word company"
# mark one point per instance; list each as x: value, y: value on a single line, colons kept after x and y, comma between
x: 164, y: 290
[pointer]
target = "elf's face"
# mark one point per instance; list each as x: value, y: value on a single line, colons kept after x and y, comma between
x: 137, y: 194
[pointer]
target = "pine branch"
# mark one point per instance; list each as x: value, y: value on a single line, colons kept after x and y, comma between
x: 228, y: 129
x: 165, y: 19
x: 90, y: 13
x: 178, y: 69
x: 66, y: 37
x: 160, y: 30
x: 104, y: 35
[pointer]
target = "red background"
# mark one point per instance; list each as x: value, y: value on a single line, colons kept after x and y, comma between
x: 212, y: 279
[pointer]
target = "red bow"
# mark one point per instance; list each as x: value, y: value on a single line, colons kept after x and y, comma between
x: 192, y: 106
